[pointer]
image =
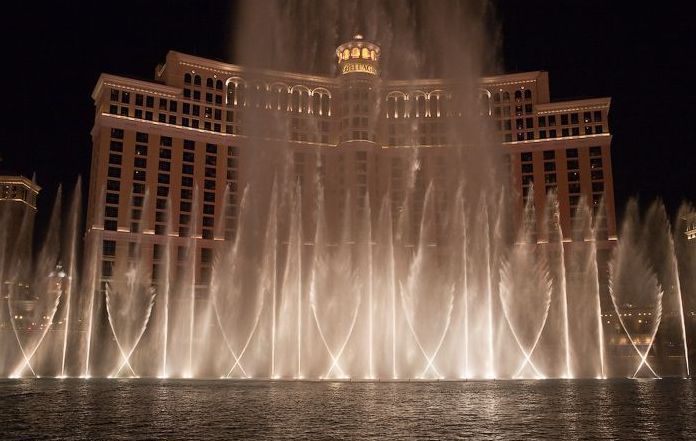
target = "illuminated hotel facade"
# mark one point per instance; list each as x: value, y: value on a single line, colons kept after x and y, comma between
x: 185, y: 132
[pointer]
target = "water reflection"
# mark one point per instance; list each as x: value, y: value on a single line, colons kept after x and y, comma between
x: 166, y: 409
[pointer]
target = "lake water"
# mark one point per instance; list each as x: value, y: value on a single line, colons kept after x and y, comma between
x: 197, y: 409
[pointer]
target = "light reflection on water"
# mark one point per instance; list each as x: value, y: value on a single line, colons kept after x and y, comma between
x: 195, y: 409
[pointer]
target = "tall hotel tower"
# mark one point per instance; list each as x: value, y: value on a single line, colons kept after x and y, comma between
x: 182, y: 139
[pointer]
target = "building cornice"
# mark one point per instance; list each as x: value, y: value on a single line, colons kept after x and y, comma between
x: 573, y: 106
x: 134, y: 86
x: 21, y: 180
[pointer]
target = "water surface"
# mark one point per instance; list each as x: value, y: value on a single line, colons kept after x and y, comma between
x: 196, y: 409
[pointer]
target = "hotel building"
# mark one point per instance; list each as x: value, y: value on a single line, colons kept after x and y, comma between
x: 17, y: 211
x: 186, y: 130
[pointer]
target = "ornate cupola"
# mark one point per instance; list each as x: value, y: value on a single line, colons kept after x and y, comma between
x: 358, y: 56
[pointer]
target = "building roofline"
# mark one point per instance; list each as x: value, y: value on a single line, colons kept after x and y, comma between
x: 132, y: 84
x: 572, y: 105
x: 228, y: 68
x: 18, y: 179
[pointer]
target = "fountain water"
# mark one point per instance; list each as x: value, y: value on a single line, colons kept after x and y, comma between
x: 447, y: 276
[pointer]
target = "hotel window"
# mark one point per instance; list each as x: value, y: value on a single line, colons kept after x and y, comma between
x: 162, y: 191
x: 139, y: 113
x: 208, y: 196
x: 114, y: 109
x: 549, y: 155
x: 163, y: 178
x: 529, y: 122
x: 165, y: 166
x: 125, y: 97
x: 588, y: 130
x: 598, y: 186
x: 165, y: 153
x: 139, y: 99
x: 138, y: 175
x: 161, y: 204
x: 573, y: 164
x: 527, y: 108
x: 187, y: 78
x: 597, y: 115
x: 141, y: 150
x: 541, y: 121
x: 572, y: 153
x: 124, y: 111
x: 552, y: 120
x: 564, y: 119
x: 166, y: 141
x: 172, y: 106
x: 208, y: 97
x: 574, y: 187
x: 112, y: 198
x: 140, y: 162
x: 565, y: 132
x: 573, y: 176
x: 573, y: 118
x: 527, y: 168
x: 209, y: 82
x: 189, y: 157
x: 218, y: 84
x: 595, y: 163
x: 186, y: 181
x: 187, y: 169
x: 598, y: 130
x: 163, y: 104
x: 110, y: 211
x: 117, y: 133
x: 197, y: 80
x: 149, y: 101
x: 113, y: 185
x: 549, y: 166
x: 196, y: 94
x: 595, y: 151
x: 187, y: 93
x: 114, y: 94
x: 597, y: 174
x: 506, y: 96
x: 528, y: 94
x: 148, y: 116
x: 114, y: 172
x: 138, y: 188
x: 115, y: 159
x: 109, y: 248
x: 196, y: 110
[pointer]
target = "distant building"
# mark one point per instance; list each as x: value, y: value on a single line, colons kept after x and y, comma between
x: 187, y: 130
x: 17, y: 211
x: 691, y: 227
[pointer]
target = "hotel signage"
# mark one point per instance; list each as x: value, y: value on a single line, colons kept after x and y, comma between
x: 358, y: 66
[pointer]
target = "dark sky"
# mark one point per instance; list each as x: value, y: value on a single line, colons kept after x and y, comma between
x: 642, y: 57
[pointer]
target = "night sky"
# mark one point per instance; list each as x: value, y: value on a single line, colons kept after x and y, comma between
x: 642, y: 57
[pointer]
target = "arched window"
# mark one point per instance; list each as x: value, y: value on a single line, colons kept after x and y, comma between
x: 518, y: 95
x: 218, y: 84
x: 325, y: 105
x: 373, y: 55
x: 197, y: 80
x: 528, y: 94
x: 366, y: 53
x: 187, y: 78
x: 506, y: 96
x: 391, y: 107
x: 496, y: 97
x: 355, y: 52
x: 346, y: 54
x: 209, y: 82
x: 295, y: 100
x: 420, y: 106
x: 316, y: 103
x: 400, y: 107
x: 279, y: 100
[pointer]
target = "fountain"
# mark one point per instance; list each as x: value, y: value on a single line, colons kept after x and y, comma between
x: 453, y: 279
